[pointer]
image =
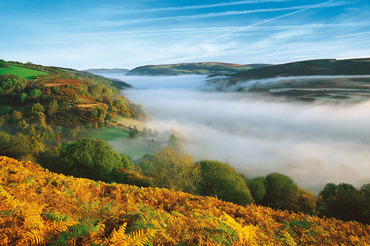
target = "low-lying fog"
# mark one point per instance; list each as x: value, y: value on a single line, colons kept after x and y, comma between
x: 314, y: 143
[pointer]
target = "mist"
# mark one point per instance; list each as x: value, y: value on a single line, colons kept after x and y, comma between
x: 314, y: 143
x: 222, y: 84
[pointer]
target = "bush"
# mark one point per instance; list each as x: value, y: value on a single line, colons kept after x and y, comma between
x: 173, y: 170
x: 89, y: 158
x: 345, y: 202
x: 257, y: 188
x: 222, y: 181
x: 36, y: 93
x: 3, y: 64
x: 280, y: 191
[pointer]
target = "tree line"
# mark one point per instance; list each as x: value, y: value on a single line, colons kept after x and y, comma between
x: 175, y: 170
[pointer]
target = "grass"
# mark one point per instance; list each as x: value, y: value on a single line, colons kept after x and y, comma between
x: 107, y: 134
x: 128, y: 122
x: 22, y: 72
x: 119, y: 139
x: 135, y: 148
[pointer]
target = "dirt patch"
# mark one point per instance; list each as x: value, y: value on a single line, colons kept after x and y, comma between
x: 58, y: 82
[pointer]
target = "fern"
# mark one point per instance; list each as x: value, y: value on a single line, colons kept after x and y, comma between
x: 34, y: 237
x: 246, y: 234
x: 10, y: 200
x: 32, y: 216
x: 138, y: 238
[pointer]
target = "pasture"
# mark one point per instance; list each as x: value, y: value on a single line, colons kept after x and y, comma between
x: 21, y: 71
x: 107, y: 134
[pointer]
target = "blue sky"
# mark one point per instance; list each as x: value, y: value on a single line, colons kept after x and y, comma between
x: 129, y: 33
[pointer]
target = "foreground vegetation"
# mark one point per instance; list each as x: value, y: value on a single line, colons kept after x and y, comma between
x: 38, y: 207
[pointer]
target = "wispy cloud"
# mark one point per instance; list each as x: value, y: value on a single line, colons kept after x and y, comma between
x: 326, y: 4
x: 216, y: 5
x: 300, y: 9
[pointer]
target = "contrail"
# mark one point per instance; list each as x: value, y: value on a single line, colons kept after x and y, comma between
x: 275, y: 18
x: 215, y: 5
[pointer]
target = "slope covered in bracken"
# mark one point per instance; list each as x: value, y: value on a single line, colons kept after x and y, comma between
x: 39, y: 207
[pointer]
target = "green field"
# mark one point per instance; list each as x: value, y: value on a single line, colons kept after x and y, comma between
x: 22, y: 72
x: 120, y: 141
x: 107, y: 134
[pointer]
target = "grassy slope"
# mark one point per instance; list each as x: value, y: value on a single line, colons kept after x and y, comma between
x: 37, y: 206
x: 189, y: 68
x: 107, y: 134
x: 21, y: 71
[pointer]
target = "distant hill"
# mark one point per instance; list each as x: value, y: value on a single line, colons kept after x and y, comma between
x: 38, y: 207
x: 205, y: 68
x: 307, y: 80
x: 307, y: 68
x: 106, y: 70
x: 258, y: 65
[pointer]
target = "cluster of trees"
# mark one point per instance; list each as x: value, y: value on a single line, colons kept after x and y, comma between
x: 11, y: 89
x: 172, y: 169
x: 3, y: 64
x: 345, y: 202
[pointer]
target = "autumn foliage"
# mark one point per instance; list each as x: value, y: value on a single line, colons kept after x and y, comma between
x: 39, y: 207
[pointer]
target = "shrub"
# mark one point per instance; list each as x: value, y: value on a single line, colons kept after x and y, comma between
x: 222, y: 181
x: 89, y: 158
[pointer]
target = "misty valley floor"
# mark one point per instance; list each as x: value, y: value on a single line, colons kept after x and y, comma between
x: 314, y: 143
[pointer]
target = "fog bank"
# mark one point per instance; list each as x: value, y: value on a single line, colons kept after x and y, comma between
x: 313, y: 143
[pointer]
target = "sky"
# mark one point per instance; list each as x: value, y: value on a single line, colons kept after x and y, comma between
x: 125, y: 34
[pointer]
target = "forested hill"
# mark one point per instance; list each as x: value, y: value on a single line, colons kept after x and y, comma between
x: 38, y: 207
x: 206, y: 68
x: 307, y: 68
x: 43, y: 107
x: 81, y: 97
x: 106, y: 70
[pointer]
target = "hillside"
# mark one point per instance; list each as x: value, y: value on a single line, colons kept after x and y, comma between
x: 206, y: 68
x: 106, y: 70
x: 39, y: 207
x: 43, y: 107
x: 327, y: 79
x: 308, y: 68
x: 77, y: 93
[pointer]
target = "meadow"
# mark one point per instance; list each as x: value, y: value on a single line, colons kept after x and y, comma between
x: 21, y: 71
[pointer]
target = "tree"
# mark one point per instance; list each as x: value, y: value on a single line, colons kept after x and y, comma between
x: 342, y: 201
x: 133, y: 132
x: 5, y: 143
x: 304, y: 201
x: 173, y: 170
x: 257, y: 188
x: 23, y: 97
x: 37, y: 108
x: 89, y: 158
x: 4, y: 64
x: 53, y: 107
x: 16, y: 115
x: 221, y: 180
x: 35, y: 93
x: 173, y: 142
x: 365, y: 201
x: 280, y: 191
